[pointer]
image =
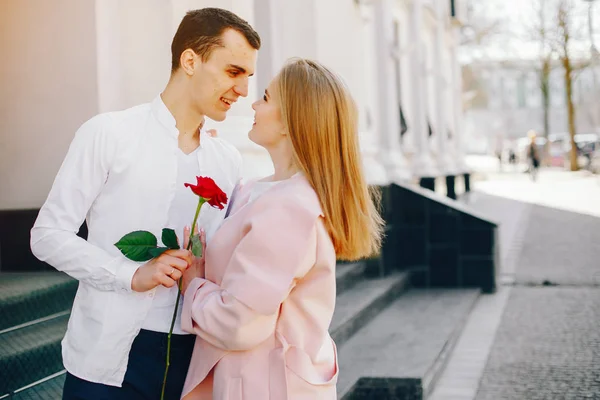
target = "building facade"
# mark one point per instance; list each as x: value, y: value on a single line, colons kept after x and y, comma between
x: 65, y: 61
x: 507, y: 102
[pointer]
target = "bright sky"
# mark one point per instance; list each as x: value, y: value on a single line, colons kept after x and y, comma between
x: 517, y: 18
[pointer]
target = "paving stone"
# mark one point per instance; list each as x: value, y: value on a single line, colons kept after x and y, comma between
x: 547, y: 347
x: 546, y: 340
x: 562, y: 247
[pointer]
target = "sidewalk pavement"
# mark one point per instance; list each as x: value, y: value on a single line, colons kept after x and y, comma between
x: 572, y: 191
x: 539, y: 336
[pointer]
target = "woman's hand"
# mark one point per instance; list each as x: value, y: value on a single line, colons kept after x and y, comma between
x: 196, y: 269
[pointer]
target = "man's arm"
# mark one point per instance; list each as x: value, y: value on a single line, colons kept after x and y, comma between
x: 54, y: 235
x: 77, y: 184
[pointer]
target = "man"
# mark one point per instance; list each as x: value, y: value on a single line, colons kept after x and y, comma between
x: 125, y: 171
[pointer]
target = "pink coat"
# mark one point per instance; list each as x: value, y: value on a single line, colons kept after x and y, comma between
x: 262, y: 314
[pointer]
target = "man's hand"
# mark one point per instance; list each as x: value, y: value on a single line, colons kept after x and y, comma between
x: 196, y: 269
x: 165, y: 270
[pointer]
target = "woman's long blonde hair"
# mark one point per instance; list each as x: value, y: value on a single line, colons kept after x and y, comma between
x: 321, y: 119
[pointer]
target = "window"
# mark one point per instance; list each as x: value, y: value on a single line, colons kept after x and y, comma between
x: 521, y: 101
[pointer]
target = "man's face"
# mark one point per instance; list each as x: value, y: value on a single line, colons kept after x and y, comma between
x: 218, y: 82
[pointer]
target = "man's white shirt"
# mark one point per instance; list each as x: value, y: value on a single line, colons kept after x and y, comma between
x: 120, y: 175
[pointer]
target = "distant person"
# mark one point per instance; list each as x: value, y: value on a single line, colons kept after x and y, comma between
x: 533, y: 156
x: 499, y: 157
x: 512, y: 156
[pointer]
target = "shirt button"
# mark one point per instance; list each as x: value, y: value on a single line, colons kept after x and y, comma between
x: 151, y: 294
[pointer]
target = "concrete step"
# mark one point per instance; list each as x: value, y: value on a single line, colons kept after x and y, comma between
x: 28, y: 296
x: 31, y: 353
x: 48, y: 389
x: 358, y: 301
x: 400, y: 354
x: 348, y: 274
x: 356, y: 306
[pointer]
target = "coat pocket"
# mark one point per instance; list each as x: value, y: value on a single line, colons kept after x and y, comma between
x: 300, y: 377
x: 300, y: 364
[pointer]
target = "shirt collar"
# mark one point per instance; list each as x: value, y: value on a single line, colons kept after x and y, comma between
x: 164, y: 116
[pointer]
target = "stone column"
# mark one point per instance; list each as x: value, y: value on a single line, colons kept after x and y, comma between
x: 457, y: 96
x: 441, y: 87
x: 445, y: 162
x: 366, y: 99
x: 387, y: 83
x: 423, y: 164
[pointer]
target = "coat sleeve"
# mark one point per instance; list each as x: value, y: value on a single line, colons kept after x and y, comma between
x: 278, y: 247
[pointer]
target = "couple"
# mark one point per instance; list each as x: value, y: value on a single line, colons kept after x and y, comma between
x: 256, y: 310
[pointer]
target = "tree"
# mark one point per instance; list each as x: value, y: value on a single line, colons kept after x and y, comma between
x: 545, y: 69
x: 558, y: 39
x: 540, y: 32
x: 570, y: 64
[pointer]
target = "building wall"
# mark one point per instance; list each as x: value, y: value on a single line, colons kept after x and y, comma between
x: 49, y: 88
x: 514, y: 104
x: 65, y: 61
x: 134, y: 56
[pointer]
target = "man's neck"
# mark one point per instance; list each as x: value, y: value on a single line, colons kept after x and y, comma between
x: 187, y: 121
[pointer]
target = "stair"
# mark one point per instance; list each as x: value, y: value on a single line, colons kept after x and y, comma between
x: 49, y: 388
x: 400, y: 354
x: 357, y: 306
x: 28, y: 296
x: 347, y: 275
x: 34, y: 312
x: 391, y: 338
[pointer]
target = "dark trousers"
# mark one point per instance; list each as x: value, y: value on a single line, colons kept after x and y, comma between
x: 145, y: 371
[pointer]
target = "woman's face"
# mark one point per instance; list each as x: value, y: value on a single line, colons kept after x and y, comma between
x: 268, y: 129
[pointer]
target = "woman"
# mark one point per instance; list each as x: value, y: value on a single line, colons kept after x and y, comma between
x: 263, y: 308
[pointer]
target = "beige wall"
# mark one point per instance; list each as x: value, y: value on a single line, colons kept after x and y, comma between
x: 48, y: 81
x: 133, y: 50
x: 65, y: 61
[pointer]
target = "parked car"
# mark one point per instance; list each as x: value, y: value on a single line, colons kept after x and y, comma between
x: 594, y: 159
x: 588, y: 145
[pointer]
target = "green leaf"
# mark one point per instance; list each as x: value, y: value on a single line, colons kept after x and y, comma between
x: 157, y: 251
x: 136, y: 245
x: 196, y: 246
x: 169, y: 238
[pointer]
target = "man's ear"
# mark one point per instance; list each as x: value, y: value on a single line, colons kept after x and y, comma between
x: 188, y: 61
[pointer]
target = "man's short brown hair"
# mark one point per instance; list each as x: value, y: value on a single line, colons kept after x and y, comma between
x: 201, y: 30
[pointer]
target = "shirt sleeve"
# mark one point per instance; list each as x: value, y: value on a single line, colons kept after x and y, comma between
x: 242, y: 312
x: 79, y: 181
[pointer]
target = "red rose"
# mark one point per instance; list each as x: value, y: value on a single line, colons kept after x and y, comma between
x: 209, y: 191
